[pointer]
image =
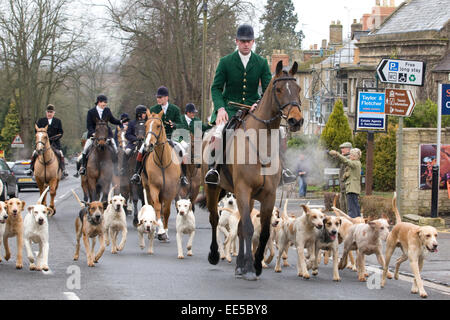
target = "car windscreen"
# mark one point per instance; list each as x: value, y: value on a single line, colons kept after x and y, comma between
x: 20, y: 168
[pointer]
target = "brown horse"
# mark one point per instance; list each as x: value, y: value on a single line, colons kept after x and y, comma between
x: 99, y: 169
x: 161, y: 175
x: 47, y: 171
x: 193, y: 175
x: 136, y: 191
x: 248, y: 181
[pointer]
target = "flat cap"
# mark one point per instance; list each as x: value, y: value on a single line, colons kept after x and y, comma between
x: 346, y: 145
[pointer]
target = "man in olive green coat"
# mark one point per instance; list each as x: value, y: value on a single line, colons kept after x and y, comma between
x: 237, y: 79
x: 352, y: 178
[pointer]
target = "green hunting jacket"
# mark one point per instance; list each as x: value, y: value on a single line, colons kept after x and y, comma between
x: 234, y: 83
x: 172, y: 113
x: 352, y: 174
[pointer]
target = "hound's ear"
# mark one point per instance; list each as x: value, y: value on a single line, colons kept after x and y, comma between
x: 339, y: 220
x: 372, y: 224
x: 148, y: 113
x: 140, y: 222
x: 305, y: 208
x: 50, y: 211
x: 294, y: 69
x: 279, y: 68
x: 105, y: 205
x: 322, y: 210
x: 110, y: 202
x: 30, y: 209
x: 23, y: 206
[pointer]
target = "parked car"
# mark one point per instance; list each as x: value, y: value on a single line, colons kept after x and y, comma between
x: 21, y: 170
x: 10, y: 187
x: 10, y: 164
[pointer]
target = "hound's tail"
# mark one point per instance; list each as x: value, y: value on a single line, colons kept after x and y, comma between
x: 341, y: 213
x: 111, y: 193
x: 398, y: 218
x: 41, y: 198
x: 336, y: 197
x: 284, y: 215
x: 82, y: 205
x: 145, y: 197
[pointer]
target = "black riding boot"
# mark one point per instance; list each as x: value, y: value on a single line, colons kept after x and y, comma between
x: 78, y: 164
x: 183, y: 179
x: 136, y: 178
x: 33, y: 160
x: 63, y: 167
x: 82, y: 170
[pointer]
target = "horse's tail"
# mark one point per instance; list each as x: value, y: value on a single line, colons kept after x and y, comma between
x: 398, y: 218
x: 82, y: 205
x: 43, y: 195
x: 111, y: 193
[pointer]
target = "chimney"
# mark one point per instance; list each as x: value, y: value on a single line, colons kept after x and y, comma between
x: 384, y: 3
x: 335, y: 33
x: 356, y: 27
x: 315, y: 46
x: 377, y: 3
x: 324, y: 43
x: 279, y: 55
x: 392, y: 3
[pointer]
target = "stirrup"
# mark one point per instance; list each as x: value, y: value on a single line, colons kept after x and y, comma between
x: 184, y: 181
x: 288, y: 176
x: 212, y: 173
x: 82, y: 171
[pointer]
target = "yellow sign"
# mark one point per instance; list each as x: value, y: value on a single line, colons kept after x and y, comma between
x: 2, y: 154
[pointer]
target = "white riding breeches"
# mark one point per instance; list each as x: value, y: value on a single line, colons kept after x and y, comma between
x: 91, y: 140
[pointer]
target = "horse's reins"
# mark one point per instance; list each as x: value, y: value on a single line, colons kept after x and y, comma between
x: 43, y: 156
x: 280, y: 106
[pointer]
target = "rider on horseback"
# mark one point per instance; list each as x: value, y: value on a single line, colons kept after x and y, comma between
x: 100, y: 111
x: 130, y: 135
x: 236, y: 80
x: 55, y: 133
x: 170, y: 119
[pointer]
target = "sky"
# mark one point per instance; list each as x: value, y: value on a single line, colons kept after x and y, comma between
x: 314, y: 17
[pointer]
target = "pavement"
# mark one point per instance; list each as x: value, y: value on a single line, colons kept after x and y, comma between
x: 437, y: 265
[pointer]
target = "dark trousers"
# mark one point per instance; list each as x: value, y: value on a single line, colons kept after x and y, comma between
x: 353, y: 205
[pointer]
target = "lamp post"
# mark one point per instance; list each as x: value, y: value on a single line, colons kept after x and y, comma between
x: 204, y: 83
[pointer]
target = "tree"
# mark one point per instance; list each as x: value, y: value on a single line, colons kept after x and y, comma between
x: 279, y: 32
x: 164, y: 45
x: 337, y: 130
x: 36, y: 47
x: 384, y: 160
x: 10, y: 129
x: 425, y: 116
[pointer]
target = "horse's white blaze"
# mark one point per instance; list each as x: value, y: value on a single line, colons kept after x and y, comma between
x: 288, y: 88
x: 147, y: 139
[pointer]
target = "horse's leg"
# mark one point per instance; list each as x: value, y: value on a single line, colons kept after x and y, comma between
x: 266, y: 215
x: 212, y: 198
x: 244, y: 201
x: 166, y: 213
x: 135, y: 198
x: 53, y: 187
x: 92, y: 189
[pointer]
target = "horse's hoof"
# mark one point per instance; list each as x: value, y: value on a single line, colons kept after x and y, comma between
x: 238, y: 272
x: 258, y: 268
x: 213, y: 257
x: 135, y: 222
x: 162, y: 237
x: 250, y: 276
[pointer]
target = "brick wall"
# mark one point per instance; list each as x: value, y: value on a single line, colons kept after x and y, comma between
x: 414, y: 200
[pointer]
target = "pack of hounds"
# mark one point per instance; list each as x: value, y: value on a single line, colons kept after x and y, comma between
x: 312, y: 233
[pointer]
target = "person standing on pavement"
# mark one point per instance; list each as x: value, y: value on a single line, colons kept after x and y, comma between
x: 55, y: 133
x: 237, y: 79
x: 301, y: 171
x: 345, y: 151
x: 352, y: 179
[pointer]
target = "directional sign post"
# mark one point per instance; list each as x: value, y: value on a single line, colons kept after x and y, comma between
x: 399, y: 102
x: 404, y: 72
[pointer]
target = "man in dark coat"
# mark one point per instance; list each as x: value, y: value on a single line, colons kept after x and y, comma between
x: 100, y: 112
x: 55, y: 133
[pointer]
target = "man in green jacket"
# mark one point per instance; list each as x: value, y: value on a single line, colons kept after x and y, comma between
x: 352, y: 178
x: 237, y: 79
x: 171, y: 119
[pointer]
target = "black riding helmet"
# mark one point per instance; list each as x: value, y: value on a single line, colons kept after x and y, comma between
x: 140, y: 109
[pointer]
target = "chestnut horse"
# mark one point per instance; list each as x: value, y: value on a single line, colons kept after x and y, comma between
x: 47, y: 171
x: 161, y: 176
x: 248, y: 181
x: 99, y: 171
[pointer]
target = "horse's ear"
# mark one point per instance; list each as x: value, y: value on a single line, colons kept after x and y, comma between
x: 279, y: 68
x: 160, y: 115
x: 294, y: 69
x: 148, y: 114
x: 36, y: 127
x: 46, y: 127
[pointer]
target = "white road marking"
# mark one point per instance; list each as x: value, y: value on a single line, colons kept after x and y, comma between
x: 71, y: 296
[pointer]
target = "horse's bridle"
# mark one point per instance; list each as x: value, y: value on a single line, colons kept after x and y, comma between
x: 40, y: 142
x: 154, y: 134
x: 97, y: 139
x: 280, y: 106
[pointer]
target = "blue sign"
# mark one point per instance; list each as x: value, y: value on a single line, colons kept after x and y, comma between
x: 393, y: 66
x: 445, y: 107
x: 371, y: 115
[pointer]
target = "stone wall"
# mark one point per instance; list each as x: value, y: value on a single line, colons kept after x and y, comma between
x: 412, y: 199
